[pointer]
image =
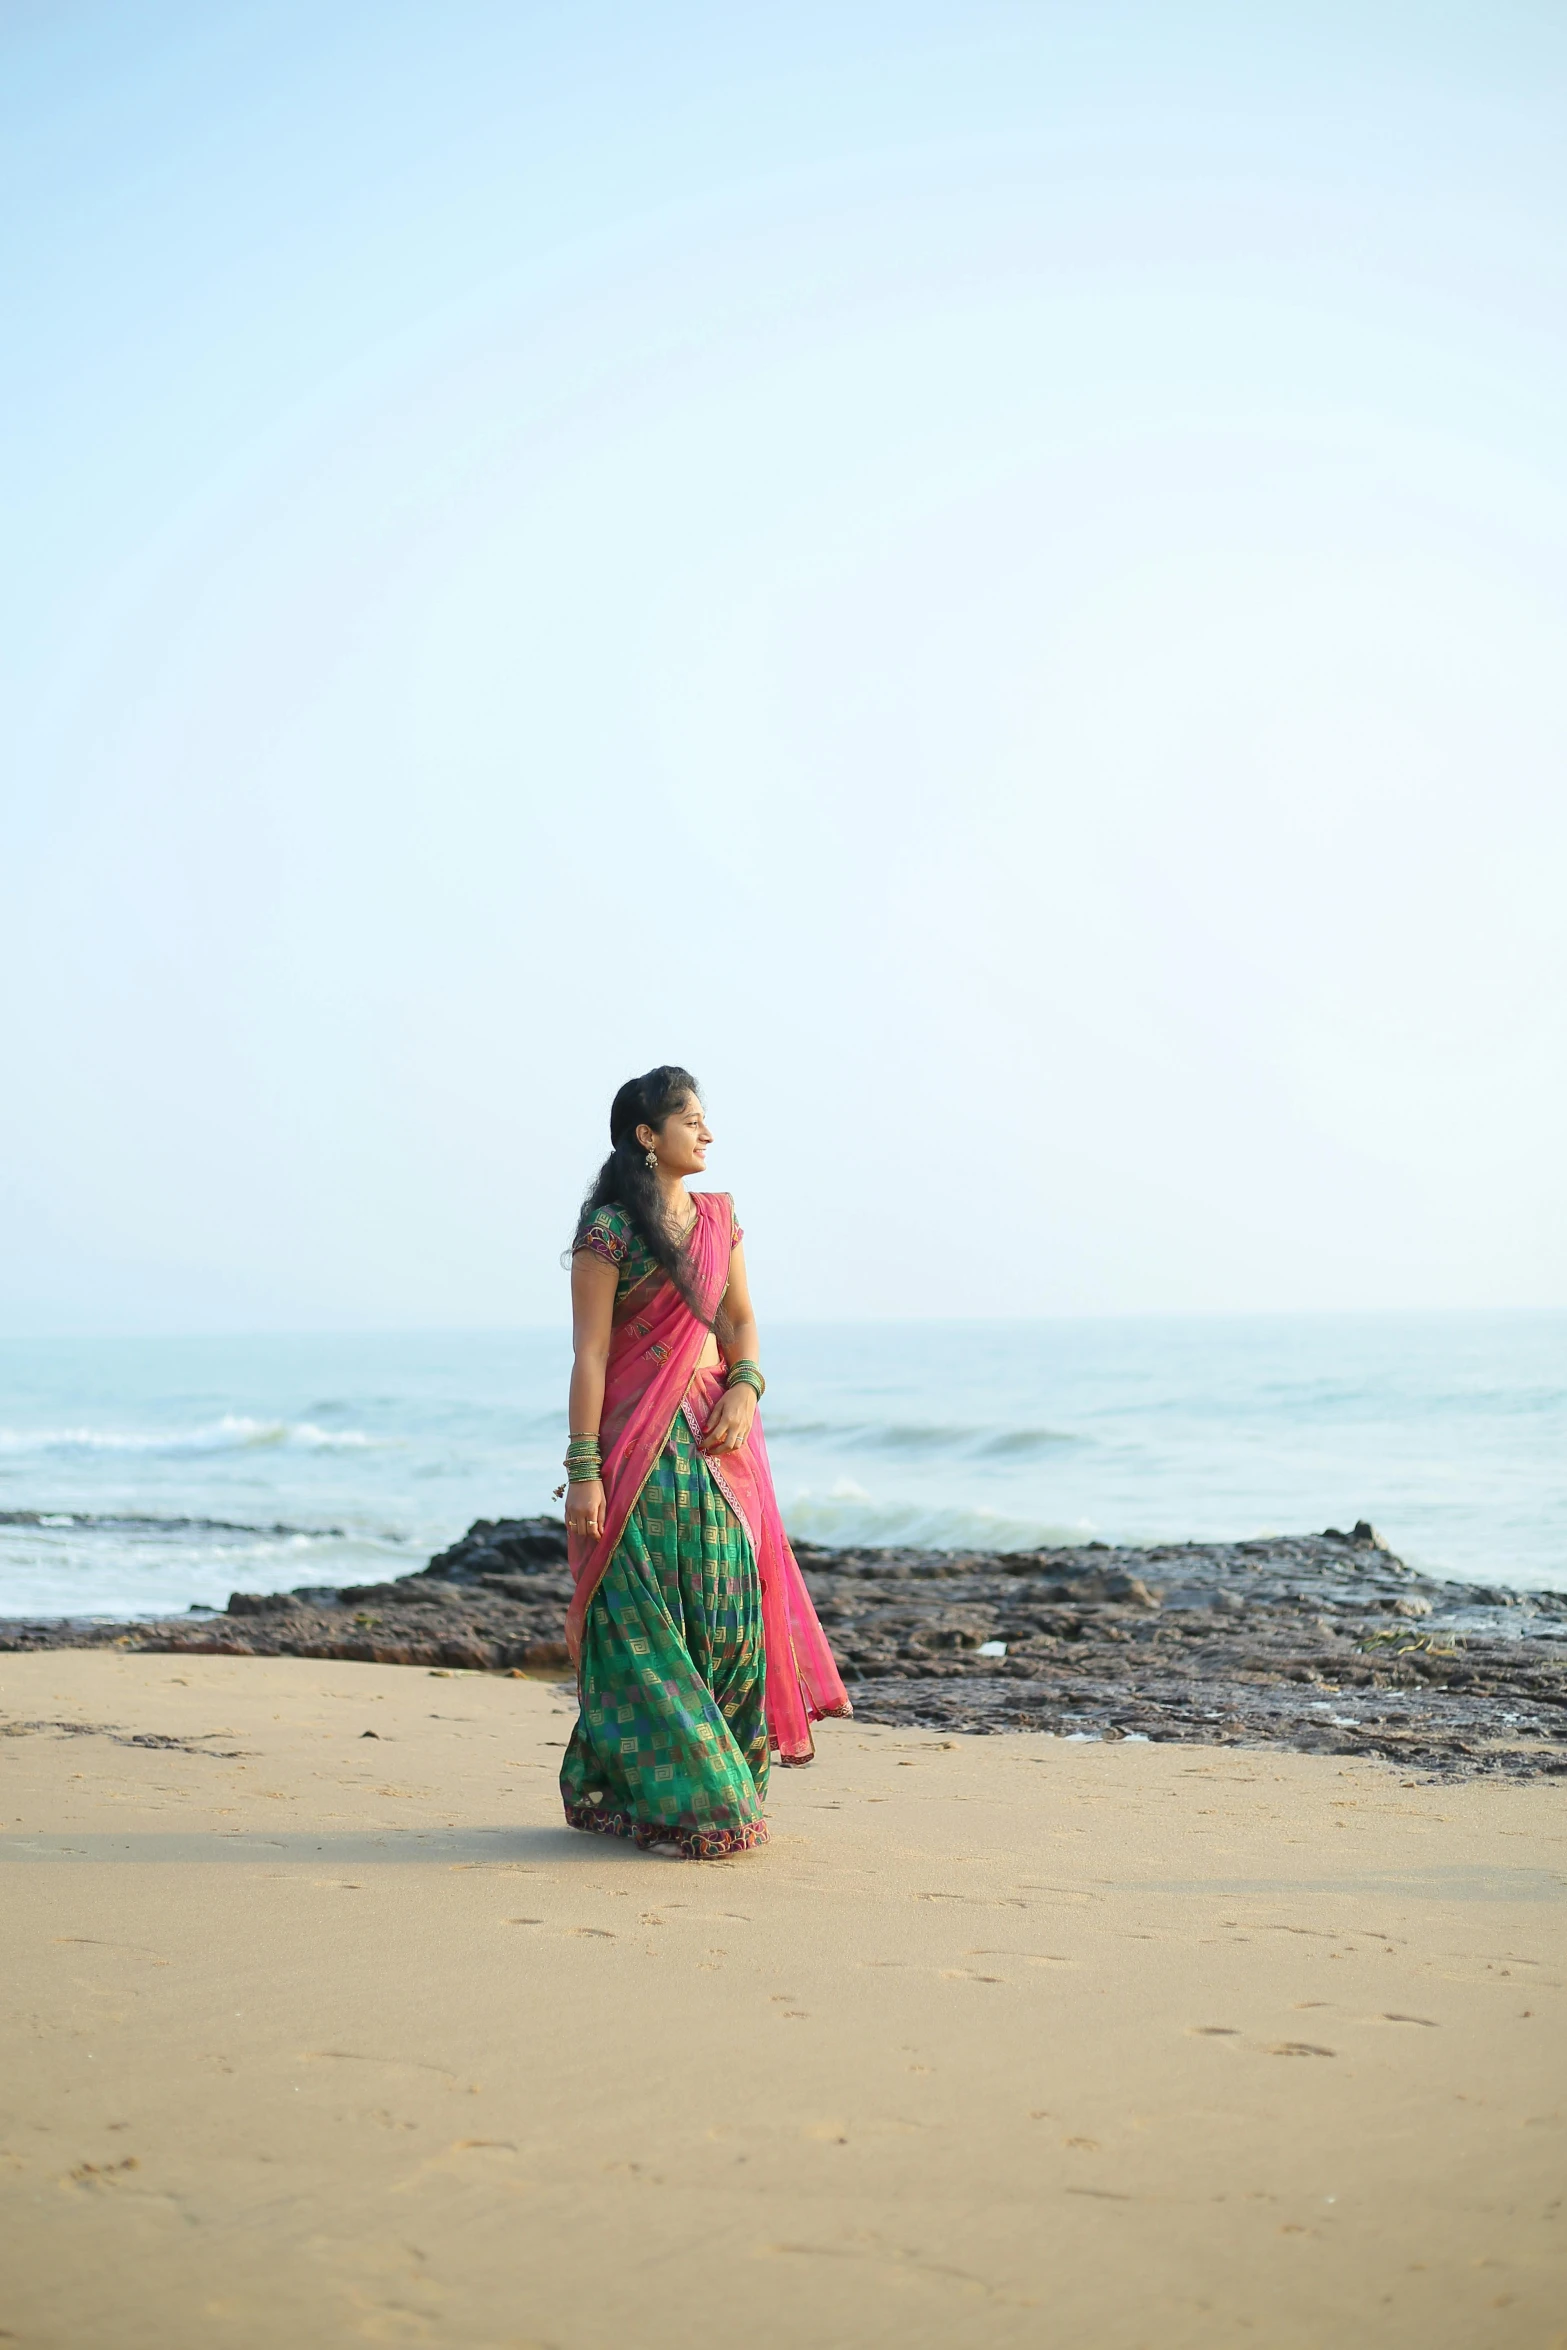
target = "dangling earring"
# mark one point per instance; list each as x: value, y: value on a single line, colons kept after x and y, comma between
x: 651, y: 1161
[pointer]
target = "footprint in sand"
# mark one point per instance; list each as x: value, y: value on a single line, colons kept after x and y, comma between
x: 101, y: 2174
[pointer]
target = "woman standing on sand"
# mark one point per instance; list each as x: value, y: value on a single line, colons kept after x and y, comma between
x: 696, y: 1644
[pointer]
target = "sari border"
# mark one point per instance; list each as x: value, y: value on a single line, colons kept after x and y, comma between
x: 688, y: 1412
x: 691, y: 1843
x: 775, y: 1752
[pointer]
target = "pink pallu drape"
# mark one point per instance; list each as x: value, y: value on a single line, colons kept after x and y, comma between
x: 652, y: 1377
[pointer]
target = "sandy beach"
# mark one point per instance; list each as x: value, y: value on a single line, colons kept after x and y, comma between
x: 322, y: 2029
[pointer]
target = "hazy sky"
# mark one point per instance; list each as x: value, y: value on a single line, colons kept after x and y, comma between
x: 991, y: 577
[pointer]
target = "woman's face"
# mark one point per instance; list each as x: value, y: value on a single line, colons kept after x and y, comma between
x: 682, y: 1141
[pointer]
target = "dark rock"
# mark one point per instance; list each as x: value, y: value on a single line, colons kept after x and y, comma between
x: 495, y: 1545
x: 1322, y: 1643
x: 1131, y: 1588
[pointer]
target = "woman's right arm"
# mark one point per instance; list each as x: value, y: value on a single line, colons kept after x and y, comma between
x: 592, y: 1313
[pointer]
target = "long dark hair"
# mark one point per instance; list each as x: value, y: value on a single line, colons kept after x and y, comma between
x: 626, y: 1180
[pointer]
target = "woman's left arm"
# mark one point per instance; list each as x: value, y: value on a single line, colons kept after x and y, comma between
x: 730, y: 1421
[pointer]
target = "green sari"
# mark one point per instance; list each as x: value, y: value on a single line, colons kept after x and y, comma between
x: 671, y: 1742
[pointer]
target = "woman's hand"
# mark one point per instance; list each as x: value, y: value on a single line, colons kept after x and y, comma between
x: 730, y: 1422
x: 585, y: 1509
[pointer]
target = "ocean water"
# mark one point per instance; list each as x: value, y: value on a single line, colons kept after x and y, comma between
x: 142, y: 1476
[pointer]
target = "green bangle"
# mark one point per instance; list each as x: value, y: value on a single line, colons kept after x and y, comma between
x: 584, y: 1465
x: 747, y: 1374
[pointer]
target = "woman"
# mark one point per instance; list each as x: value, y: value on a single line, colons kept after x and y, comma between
x: 696, y: 1645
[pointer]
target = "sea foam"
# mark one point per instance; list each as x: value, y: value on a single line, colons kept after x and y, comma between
x: 234, y: 1432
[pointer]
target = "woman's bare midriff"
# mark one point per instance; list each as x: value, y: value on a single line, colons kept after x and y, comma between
x: 709, y: 1356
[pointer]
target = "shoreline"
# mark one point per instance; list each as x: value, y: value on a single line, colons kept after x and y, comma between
x: 1314, y: 1643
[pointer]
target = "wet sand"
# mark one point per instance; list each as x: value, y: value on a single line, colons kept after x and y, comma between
x: 316, y: 2036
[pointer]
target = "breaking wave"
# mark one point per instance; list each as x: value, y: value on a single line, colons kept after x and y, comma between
x: 846, y: 1516
x: 234, y: 1432
x: 926, y: 1437
x: 143, y: 1525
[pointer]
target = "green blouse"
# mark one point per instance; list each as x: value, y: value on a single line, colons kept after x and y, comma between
x: 612, y: 1236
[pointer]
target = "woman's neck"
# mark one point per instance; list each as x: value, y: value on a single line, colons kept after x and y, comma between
x: 679, y: 1208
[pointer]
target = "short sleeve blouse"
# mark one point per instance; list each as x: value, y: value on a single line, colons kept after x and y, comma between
x: 611, y: 1236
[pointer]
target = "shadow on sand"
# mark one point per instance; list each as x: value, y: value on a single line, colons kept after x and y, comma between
x: 503, y: 1848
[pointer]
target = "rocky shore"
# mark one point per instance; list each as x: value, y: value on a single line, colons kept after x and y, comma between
x: 1322, y: 1643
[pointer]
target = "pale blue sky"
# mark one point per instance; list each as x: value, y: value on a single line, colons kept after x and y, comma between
x: 992, y: 577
